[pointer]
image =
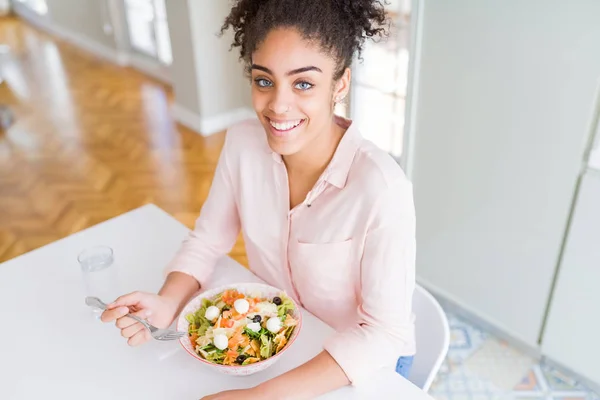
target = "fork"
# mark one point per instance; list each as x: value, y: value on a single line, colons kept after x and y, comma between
x: 156, y: 333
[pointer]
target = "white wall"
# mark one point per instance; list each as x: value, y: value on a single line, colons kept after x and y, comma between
x: 218, y: 95
x: 184, y: 78
x: 573, y: 329
x: 223, y: 86
x: 505, y: 94
x: 83, y: 17
x: 594, y: 156
x: 81, y: 23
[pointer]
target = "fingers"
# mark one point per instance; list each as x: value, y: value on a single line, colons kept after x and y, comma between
x: 139, y: 338
x: 127, y: 300
x: 120, y: 306
x: 110, y: 315
x: 124, y: 322
x: 131, y: 330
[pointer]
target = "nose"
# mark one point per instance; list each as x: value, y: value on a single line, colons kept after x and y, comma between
x: 280, y: 102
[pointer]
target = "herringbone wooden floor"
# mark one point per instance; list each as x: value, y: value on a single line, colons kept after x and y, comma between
x: 91, y: 141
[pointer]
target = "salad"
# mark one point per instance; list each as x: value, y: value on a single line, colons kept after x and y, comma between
x: 234, y: 329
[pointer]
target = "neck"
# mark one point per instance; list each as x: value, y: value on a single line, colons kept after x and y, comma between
x: 313, y: 160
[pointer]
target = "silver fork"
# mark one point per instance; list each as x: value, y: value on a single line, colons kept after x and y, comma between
x: 157, y: 333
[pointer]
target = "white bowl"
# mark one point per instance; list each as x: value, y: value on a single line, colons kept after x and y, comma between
x: 244, y: 288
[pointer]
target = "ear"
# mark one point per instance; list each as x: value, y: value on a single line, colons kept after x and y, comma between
x: 342, y: 87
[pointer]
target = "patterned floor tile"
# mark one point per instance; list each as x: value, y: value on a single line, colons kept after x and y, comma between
x: 544, y: 382
x: 500, y: 363
x: 464, y: 384
x: 529, y: 383
x: 481, y: 367
x: 465, y: 339
x: 558, y: 380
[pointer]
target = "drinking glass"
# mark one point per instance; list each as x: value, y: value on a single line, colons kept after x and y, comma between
x: 100, y: 274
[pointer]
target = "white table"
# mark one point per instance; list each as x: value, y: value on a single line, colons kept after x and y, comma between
x: 60, y: 352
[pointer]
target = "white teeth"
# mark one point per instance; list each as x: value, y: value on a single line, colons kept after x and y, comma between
x: 285, y: 126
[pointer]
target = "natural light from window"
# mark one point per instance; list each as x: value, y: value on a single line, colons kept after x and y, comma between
x: 148, y: 28
x: 39, y: 6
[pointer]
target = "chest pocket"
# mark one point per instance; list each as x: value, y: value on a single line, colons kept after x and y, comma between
x: 325, y: 271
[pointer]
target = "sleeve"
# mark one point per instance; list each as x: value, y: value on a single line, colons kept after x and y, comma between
x: 216, y: 228
x: 385, y: 327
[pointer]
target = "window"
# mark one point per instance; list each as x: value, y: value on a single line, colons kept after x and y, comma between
x: 148, y: 28
x: 380, y: 83
x: 39, y: 6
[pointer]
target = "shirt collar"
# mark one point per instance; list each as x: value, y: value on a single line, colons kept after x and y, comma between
x: 338, y: 169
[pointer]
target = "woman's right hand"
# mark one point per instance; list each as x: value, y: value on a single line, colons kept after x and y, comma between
x: 159, y: 310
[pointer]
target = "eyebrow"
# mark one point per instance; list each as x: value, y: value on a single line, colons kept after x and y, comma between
x: 292, y: 72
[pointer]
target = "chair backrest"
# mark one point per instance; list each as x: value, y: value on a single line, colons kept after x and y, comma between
x: 432, y: 337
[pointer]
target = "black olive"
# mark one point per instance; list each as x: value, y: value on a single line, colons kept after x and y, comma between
x: 256, y: 318
x: 277, y: 301
x: 226, y: 308
x: 240, y: 359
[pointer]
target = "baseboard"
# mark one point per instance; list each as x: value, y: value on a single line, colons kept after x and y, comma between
x: 122, y: 59
x: 82, y: 42
x: 150, y: 68
x: 452, y: 304
x: 210, y: 125
x: 92, y: 47
x: 186, y: 117
x: 222, y: 121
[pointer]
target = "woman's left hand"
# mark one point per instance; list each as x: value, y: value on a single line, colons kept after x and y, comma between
x: 243, y: 394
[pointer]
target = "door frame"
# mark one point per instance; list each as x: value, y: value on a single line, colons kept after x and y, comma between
x: 412, y: 91
x: 148, y: 65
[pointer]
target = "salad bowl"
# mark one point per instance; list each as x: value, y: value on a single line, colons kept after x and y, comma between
x: 240, y: 329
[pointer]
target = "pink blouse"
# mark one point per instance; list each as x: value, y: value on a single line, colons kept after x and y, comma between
x: 346, y: 254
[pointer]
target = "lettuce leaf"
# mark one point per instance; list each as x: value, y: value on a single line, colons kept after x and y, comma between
x: 198, y: 323
x: 216, y: 356
x: 209, y: 348
x: 252, y: 334
x: 266, y: 346
x: 289, y: 331
x: 285, y: 306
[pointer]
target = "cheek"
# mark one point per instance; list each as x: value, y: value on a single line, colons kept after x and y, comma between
x: 260, y: 100
x: 317, y: 107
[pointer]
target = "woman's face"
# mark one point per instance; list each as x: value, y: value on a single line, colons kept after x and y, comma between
x: 293, y: 91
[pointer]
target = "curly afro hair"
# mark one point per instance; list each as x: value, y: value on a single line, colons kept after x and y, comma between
x: 340, y: 27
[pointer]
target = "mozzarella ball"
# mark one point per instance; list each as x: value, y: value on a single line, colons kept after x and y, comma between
x: 212, y: 313
x: 254, y: 326
x: 241, y: 306
x: 221, y: 342
x: 274, y: 325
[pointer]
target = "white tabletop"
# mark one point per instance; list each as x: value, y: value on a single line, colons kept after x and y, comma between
x: 58, y: 351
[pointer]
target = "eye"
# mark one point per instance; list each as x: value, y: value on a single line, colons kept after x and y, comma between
x: 304, y: 85
x: 263, y: 83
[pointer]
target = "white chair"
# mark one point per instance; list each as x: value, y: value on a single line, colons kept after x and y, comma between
x: 432, y: 336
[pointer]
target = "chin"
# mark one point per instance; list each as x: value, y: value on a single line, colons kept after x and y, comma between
x: 283, y: 149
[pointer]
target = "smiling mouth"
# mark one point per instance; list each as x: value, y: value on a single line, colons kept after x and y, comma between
x: 285, y: 126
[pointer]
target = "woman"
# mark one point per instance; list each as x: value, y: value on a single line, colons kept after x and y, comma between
x: 326, y: 216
